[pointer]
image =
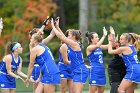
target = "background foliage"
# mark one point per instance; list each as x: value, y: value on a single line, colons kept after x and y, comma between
x: 21, y: 16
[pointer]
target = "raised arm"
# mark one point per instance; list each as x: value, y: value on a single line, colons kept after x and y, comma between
x: 49, y: 38
x: 45, y: 23
x: 93, y: 47
x: 119, y: 50
x: 62, y: 37
x: 112, y: 33
x: 57, y: 25
x: 52, y: 34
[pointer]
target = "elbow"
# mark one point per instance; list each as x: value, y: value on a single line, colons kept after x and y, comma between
x: 9, y: 72
x: 110, y: 52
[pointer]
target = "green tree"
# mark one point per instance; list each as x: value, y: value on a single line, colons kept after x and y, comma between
x: 21, y: 16
x: 123, y: 15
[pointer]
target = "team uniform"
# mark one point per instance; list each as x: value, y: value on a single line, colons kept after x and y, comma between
x: 97, y: 72
x: 49, y: 70
x: 79, y: 70
x: 116, y: 72
x: 65, y: 69
x: 133, y: 66
x: 36, y: 72
x: 7, y: 81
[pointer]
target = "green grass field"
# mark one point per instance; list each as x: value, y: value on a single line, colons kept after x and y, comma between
x: 22, y: 89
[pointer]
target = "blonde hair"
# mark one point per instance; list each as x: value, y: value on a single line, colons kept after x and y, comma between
x: 137, y: 44
x: 127, y: 36
x: 135, y: 41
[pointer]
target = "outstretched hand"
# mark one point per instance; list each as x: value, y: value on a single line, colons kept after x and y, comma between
x: 52, y: 23
x: 112, y: 30
x: 32, y: 80
x: 18, y: 77
x: 117, y: 38
x: 104, y: 31
x: 110, y: 37
x: 27, y: 82
x: 46, y: 21
x: 57, y: 21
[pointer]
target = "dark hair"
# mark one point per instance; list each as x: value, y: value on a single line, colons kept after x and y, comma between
x: 137, y: 43
x: 9, y: 47
x: 90, y: 36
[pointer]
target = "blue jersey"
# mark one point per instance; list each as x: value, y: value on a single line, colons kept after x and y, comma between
x: 131, y: 58
x: 14, y: 65
x: 76, y: 57
x: 97, y: 72
x: 96, y: 57
x: 133, y: 66
x: 46, y: 62
x: 79, y: 70
x: 7, y: 81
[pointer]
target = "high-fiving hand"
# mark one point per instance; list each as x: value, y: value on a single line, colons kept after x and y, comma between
x: 112, y: 30
x: 104, y: 31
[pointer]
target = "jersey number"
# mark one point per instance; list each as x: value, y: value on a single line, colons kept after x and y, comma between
x: 100, y: 59
x: 136, y: 58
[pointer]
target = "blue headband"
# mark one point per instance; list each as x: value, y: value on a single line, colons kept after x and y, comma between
x: 16, y: 46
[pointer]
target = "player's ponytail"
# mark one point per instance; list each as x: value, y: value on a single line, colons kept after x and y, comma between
x: 89, y: 36
x: 9, y: 48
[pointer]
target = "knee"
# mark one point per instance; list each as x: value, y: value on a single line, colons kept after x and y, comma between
x: 35, y: 91
x: 121, y: 90
x: 63, y: 88
x: 71, y: 91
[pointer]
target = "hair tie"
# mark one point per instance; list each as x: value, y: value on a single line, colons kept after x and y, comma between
x: 16, y: 46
